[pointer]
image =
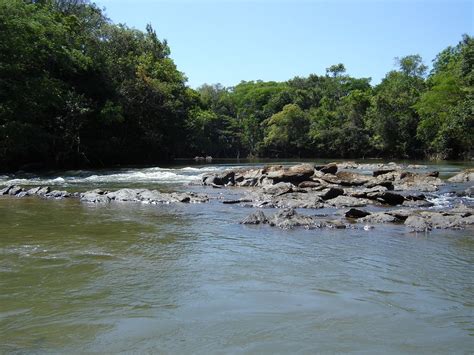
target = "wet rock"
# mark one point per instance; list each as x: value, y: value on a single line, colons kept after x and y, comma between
x: 255, y: 218
x: 464, y: 176
x: 336, y: 224
x: 469, y: 192
x: 327, y: 169
x: 234, y: 202
x: 355, y: 213
x: 289, y: 219
x: 388, y: 198
x: 332, y: 193
x: 418, y: 203
x: 418, y: 224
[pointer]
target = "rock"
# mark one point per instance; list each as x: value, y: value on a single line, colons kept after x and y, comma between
x: 382, y: 172
x: 332, y: 193
x: 33, y: 191
x: 186, y: 197
x: 94, y: 196
x: 327, y: 169
x: 336, y: 224
x: 347, y: 201
x: 255, y: 218
x: 362, y: 193
x: 57, y: 194
x: 309, y: 184
x: 279, y: 188
x: 352, y: 179
x: 469, y: 192
x: 234, y: 202
x: 294, y: 174
x: 355, y: 213
x: 417, y: 182
x: 387, y: 184
x: 225, y: 178
x: 388, y: 198
x: 464, y: 176
x: 433, y: 174
x: 43, y: 191
x: 289, y: 219
x: 124, y: 195
x: 418, y: 203
x: 379, y: 217
x: 418, y: 224
x: 15, y: 190
x: 5, y: 190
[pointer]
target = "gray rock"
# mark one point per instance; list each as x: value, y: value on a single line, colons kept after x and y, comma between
x: 5, y: 190
x: 464, y: 176
x: 418, y: 224
x: 379, y: 217
x: 289, y: 219
x: 255, y: 218
x: 15, y: 190
x: 348, y: 201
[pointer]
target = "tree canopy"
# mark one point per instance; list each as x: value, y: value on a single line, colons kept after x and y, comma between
x: 78, y: 90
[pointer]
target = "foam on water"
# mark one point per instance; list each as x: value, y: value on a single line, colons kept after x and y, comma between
x: 148, y: 175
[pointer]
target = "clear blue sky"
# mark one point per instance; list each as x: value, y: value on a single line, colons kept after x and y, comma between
x: 227, y: 41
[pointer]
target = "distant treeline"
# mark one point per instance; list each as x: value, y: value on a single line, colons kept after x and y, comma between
x: 77, y: 90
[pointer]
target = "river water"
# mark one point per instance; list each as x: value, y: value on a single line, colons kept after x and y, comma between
x: 125, y: 277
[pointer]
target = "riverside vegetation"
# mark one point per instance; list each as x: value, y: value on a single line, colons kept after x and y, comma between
x: 78, y: 90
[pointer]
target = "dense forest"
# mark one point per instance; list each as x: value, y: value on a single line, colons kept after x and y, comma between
x: 78, y: 90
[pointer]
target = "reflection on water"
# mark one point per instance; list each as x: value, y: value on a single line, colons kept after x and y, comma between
x: 189, y: 278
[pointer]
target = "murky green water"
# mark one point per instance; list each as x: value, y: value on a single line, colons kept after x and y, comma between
x: 78, y: 278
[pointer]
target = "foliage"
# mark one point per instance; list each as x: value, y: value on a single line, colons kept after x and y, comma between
x: 77, y: 90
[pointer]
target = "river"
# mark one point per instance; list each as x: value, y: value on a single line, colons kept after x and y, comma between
x: 188, y: 278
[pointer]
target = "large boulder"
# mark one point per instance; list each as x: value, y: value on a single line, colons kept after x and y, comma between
x: 294, y: 174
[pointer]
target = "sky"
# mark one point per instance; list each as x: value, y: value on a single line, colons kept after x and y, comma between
x: 227, y: 41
